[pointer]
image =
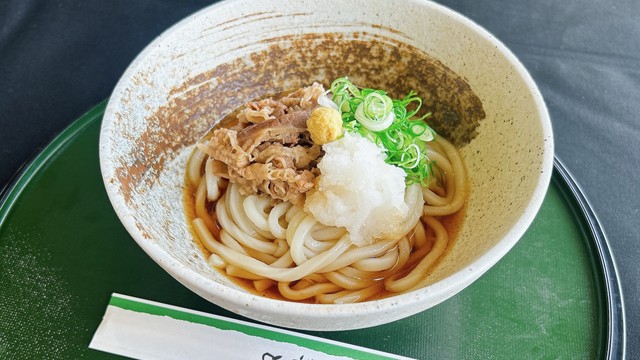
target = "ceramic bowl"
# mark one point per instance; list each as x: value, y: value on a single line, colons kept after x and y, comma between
x: 215, y: 60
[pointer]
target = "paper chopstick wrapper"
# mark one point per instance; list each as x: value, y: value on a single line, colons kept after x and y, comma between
x: 144, y: 329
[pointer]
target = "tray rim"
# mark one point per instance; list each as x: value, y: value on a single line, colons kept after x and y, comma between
x: 615, y: 347
x: 616, y: 321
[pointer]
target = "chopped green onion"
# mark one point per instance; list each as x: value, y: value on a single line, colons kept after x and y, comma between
x: 389, y: 124
x: 418, y: 128
x: 375, y: 112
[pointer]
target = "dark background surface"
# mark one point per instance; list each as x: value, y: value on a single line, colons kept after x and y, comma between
x: 59, y: 58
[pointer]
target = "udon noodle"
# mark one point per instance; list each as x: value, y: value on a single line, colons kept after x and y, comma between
x: 278, y: 247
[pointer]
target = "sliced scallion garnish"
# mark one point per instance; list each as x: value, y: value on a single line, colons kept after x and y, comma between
x: 390, y: 124
x: 375, y: 112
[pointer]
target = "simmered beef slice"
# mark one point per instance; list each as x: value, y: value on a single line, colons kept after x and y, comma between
x: 271, y: 152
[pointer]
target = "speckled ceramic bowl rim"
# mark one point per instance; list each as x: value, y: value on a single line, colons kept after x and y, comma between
x: 429, y: 295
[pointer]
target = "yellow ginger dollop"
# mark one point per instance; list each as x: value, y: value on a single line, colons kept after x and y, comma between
x: 325, y: 125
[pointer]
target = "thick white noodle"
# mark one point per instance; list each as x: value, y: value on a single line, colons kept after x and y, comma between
x: 275, y: 215
x: 257, y: 210
x: 302, y: 231
x: 242, y: 237
x: 359, y: 253
x: 420, y: 271
x: 235, y: 206
x: 213, y: 182
x: 194, y: 165
x: 444, y: 165
x: 459, y: 178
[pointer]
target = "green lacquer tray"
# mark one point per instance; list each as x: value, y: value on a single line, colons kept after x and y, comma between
x: 63, y: 252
